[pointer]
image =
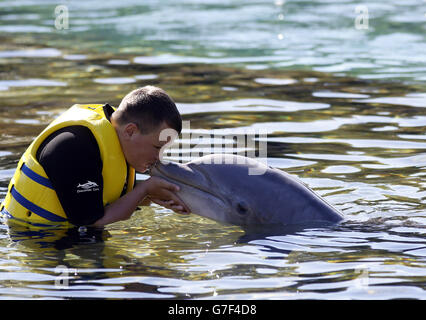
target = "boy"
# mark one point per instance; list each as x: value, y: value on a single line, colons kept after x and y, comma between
x: 81, y: 168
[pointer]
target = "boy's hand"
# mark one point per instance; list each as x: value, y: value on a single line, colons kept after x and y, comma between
x: 162, y: 192
x: 145, y: 202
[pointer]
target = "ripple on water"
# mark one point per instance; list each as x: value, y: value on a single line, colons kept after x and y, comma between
x: 412, y: 100
x: 275, y: 82
x: 146, y: 76
x: 118, y: 62
x: 75, y: 57
x: 346, y: 95
x: 255, y: 105
x: 175, y: 59
x: 118, y: 80
x: 6, y: 84
x: 31, y: 53
x: 341, y: 169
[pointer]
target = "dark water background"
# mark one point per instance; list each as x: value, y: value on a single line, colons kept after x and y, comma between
x: 343, y: 109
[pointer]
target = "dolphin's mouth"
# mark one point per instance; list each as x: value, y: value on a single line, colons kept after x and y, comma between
x: 157, y: 167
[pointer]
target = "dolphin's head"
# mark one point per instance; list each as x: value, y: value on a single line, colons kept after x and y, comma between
x: 220, y: 187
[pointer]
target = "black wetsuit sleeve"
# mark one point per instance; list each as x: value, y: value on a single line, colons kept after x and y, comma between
x: 72, y: 161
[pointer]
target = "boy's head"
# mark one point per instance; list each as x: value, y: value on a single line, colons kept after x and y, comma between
x: 148, y: 107
x: 140, y: 121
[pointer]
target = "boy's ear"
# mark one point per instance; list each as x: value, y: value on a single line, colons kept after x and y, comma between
x: 130, y: 129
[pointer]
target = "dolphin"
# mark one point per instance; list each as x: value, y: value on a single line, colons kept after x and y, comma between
x: 243, y: 191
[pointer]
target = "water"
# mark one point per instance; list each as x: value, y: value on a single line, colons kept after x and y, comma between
x: 343, y: 108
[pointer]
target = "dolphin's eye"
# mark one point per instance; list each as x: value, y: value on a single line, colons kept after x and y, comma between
x: 242, y: 208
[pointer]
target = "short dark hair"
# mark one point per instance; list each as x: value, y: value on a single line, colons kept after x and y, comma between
x: 148, y: 107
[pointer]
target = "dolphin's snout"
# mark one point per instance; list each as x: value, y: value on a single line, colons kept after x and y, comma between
x: 171, y: 170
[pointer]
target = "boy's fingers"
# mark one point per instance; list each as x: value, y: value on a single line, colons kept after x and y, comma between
x: 170, y: 204
x: 167, y: 190
x: 172, y: 196
x: 169, y: 186
x: 145, y: 202
x: 160, y: 202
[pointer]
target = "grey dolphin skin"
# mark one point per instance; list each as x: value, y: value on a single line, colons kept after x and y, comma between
x: 220, y: 187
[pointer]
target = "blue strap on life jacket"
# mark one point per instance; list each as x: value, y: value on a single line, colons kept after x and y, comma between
x: 35, y: 208
x: 6, y: 215
x: 36, y: 177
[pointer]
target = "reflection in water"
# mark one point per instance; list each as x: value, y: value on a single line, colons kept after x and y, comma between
x: 52, y: 238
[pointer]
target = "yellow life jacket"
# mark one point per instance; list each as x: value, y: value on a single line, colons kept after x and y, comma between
x: 31, y: 199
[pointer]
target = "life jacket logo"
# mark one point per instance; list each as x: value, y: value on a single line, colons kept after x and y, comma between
x: 88, y: 186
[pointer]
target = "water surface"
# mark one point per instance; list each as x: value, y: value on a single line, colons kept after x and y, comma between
x: 343, y: 109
